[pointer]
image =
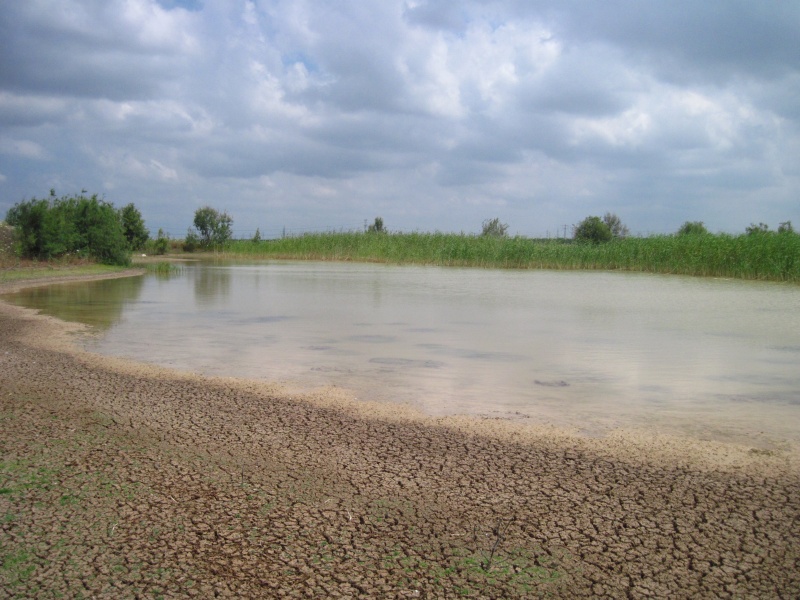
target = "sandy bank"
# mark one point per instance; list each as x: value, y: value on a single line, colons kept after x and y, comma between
x: 173, y: 484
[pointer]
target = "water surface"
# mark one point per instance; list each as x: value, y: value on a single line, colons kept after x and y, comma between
x: 713, y: 358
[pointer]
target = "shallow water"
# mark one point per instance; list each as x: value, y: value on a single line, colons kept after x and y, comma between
x: 715, y: 359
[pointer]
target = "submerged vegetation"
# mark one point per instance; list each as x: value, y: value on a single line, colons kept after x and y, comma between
x: 765, y: 256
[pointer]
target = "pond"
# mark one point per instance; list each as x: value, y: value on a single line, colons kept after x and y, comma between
x: 710, y: 358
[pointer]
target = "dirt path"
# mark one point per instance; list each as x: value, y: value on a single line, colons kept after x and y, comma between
x: 124, y: 481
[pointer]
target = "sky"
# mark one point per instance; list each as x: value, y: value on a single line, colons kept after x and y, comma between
x: 320, y: 115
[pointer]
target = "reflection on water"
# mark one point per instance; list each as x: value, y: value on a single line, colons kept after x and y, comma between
x: 100, y: 304
x: 212, y: 285
x: 592, y: 350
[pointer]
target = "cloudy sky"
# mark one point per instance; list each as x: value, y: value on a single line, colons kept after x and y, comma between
x: 433, y: 114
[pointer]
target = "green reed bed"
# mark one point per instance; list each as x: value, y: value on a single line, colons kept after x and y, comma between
x: 769, y: 256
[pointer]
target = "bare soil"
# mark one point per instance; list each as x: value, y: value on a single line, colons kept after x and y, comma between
x: 121, y: 480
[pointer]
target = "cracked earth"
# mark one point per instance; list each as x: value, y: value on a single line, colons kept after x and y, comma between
x: 121, y: 480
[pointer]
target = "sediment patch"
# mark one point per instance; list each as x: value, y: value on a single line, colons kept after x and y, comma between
x: 121, y: 480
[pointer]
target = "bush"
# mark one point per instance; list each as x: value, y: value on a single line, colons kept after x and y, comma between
x: 161, y: 244
x: 55, y: 227
x: 192, y: 241
x: 693, y: 228
x: 377, y: 226
x: 759, y: 229
x: 494, y: 228
x: 593, y: 230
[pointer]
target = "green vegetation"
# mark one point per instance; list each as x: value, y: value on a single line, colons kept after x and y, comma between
x: 593, y: 230
x: 377, y: 226
x: 693, y: 228
x: 160, y: 245
x: 163, y: 269
x: 133, y: 227
x: 615, y: 225
x: 18, y: 273
x: 494, y: 228
x: 72, y: 225
x: 770, y: 256
x: 213, y: 228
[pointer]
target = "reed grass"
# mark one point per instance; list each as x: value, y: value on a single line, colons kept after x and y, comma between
x: 162, y: 268
x: 771, y: 256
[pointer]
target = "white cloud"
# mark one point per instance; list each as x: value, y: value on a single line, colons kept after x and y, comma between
x: 22, y: 148
x: 431, y: 112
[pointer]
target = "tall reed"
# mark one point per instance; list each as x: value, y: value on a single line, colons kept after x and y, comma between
x: 771, y: 256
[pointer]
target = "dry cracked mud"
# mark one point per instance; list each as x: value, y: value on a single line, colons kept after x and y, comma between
x: 120, y: 480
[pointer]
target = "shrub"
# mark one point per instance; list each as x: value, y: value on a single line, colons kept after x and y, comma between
x: 693, y: 228
x: 377, y: 226
x: 71, y: 224
x: 494, y: 228
x: 191, y: 242
x: 593, y: 230
x: 161, y: 244
x: 759, y: 229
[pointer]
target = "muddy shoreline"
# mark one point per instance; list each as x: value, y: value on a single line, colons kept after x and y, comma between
x: 122, y: 480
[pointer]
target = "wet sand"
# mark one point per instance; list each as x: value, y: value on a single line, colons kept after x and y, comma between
x: 122, y: 480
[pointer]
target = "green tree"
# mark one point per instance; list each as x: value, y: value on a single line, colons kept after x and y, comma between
x: 693, y: 228
x: 377, y: 226
x: 593, y: 230
x: 494, y: 228
x: 133, y: 227
x: 28, y: 219
x: 757, y: 229
x: 192, y: 241
x: 213, y: 227
x: 71, y: 224
x: 618, y: 229
x: 161, y: 244
x: 785, y: 227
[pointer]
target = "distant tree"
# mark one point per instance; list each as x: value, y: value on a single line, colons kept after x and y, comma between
x: 214, y: 227
x: 133, y: 227
x: 257, y: 236
x: 692, y: 228
x: 161, y: 243
x: 593, y: 230
x: 757, y: 229
x: 192, y: 241
x: 494, y: 228
x: 377, y: 226
x: 785, y: 227
x: 618, y: 229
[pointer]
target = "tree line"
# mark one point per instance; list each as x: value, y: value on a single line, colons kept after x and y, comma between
x: 88, y: 226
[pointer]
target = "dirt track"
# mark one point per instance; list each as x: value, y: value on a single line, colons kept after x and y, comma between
x: 124, y: 481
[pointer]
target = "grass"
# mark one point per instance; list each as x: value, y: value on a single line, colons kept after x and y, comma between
x: 770, y: 257
x: 163, y: 268
x: 37, y: 270
x: 15, y: 269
